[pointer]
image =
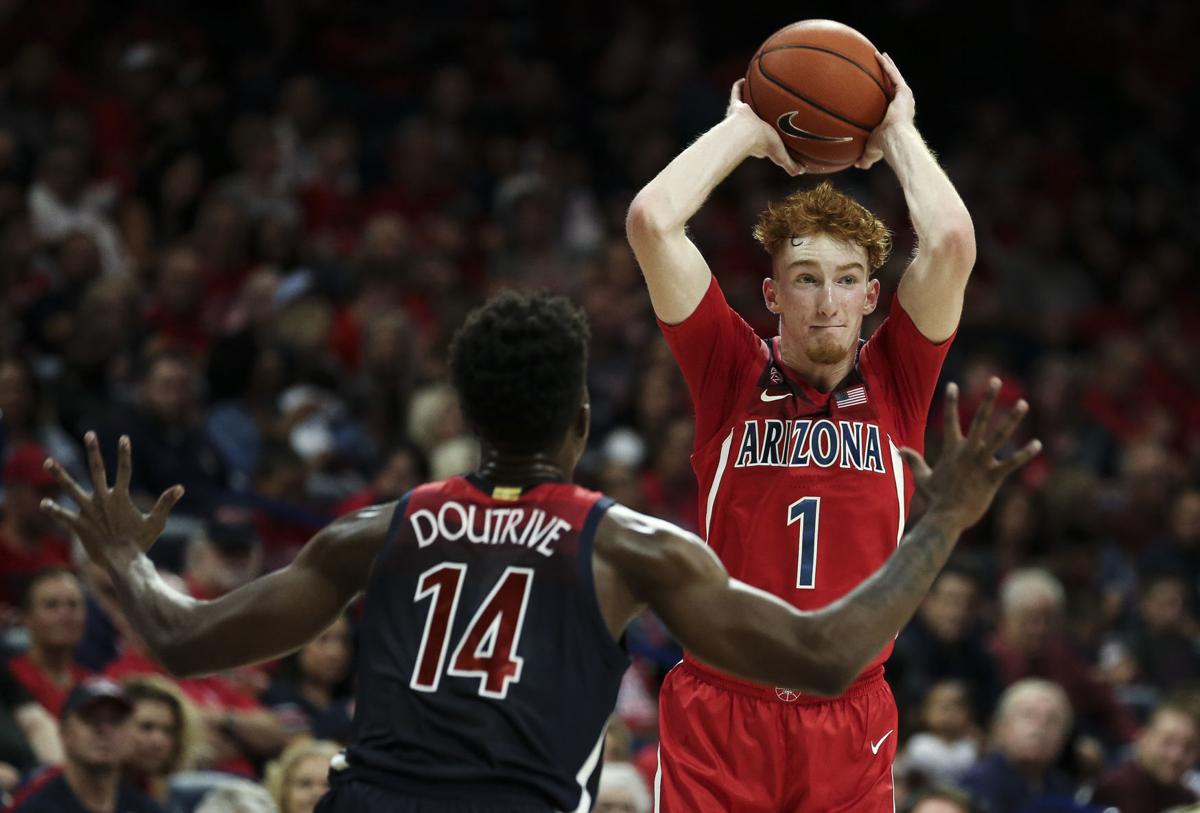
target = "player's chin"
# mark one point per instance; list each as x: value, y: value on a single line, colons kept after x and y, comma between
x: 825, y: 350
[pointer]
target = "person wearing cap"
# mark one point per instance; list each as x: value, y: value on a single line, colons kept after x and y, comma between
x: 95, y: 733
x: 54, y: 615
x: 28, y: 542
x: 226, y: 555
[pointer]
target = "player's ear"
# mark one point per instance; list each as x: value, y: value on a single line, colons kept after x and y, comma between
x: 770, y: 290
x: 872, y: 296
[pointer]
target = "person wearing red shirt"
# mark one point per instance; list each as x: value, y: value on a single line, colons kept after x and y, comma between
x: 54, y: 616
x: 28, y: 542
x: 798, y: 440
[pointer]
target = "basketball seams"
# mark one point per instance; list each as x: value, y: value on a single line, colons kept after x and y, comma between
x: 762, y: 70
x: 831, y: 52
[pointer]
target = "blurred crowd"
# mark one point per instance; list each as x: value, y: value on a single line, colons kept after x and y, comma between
x: 242, y: 235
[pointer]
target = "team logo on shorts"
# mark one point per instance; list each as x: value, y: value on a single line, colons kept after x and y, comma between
x: 787, y: 695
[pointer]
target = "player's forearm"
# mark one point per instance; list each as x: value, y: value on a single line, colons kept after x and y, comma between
x: 161, y: 615
x: 669, y: 201
x: 938, y: 213
x: 860, y: 624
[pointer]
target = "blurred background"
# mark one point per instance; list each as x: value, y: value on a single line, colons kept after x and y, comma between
x: 242, y: 234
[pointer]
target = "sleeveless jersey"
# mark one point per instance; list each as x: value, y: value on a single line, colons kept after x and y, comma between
x: 486, y: 671
x: 803, y: 493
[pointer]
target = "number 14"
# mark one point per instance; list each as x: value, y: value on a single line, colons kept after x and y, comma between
x: 807, y: 512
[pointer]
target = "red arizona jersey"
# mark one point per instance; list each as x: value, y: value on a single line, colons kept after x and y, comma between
x: 803, y: 493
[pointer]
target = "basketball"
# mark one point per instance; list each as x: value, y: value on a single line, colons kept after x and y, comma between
x: 819, y: 84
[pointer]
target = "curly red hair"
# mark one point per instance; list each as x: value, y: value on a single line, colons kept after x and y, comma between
x: 824, y: 210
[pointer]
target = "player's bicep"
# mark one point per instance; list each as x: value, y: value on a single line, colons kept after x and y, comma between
x: 725, y: 623
x: 676, y: 273
x: 284, y: 610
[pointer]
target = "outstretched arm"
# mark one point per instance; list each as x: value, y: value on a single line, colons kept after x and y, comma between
x: 268, y: 617
x: 932, y: 287
x: 675, y: 271
x: 749, y: 633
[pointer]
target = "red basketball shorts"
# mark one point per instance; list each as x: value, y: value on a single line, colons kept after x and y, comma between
x: 727, y: 746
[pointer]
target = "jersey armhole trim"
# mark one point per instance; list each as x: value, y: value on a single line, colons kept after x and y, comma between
x: 614, y: 652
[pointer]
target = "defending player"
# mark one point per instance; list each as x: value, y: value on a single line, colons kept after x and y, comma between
x: 802, y: 490
x: 489, y: 655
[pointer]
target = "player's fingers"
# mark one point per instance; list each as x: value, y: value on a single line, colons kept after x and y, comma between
x: 983, y: 415
x: 166, y: 501
x: 64, y: 479
x: 920, y: 469
x: 66, y: 516
x: 95, y: 463
x: 735, y: 92
x: 889, y: 67
x: 1023, y: 455
x: 124, y: 464
x: 1008, y: 425
x: 953, y: 428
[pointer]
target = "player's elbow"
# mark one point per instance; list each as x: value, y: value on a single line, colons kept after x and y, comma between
x: 954, y: 245
x: 645, y: 219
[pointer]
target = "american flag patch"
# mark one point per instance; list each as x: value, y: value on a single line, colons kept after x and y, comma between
x: 851, y: 397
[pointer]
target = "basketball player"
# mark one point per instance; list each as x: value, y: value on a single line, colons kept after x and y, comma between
x: 495, y: 603
x: 802, y: 489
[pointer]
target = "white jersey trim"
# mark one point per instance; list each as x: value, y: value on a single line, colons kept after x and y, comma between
x: 585, y: 773
x: 716, y: 484
x: 898, y: 473
x: 658, y: 781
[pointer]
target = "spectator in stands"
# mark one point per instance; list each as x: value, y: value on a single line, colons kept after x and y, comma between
x: 165, y: 735
x: 95, y: 736
x: 948, y: 744
x: 242, y: 797
x: 621, y: 790
x: 1030, y: 643
x: 297, y: 780
x: 226, y: 555
x: 175, y: 318
x: 28, y: 733
x: 29, y: 415
x: 1152, y: 780
x: 404, y: 469
x: 54, y: 615
x: 944, y: 642
x: 1161, y: 637
x: 169, y: 441
x: 62, y: 202
x: 28, y: 542
x: 311, y: 689
x: 939, y: 800
x: 1031, y: 724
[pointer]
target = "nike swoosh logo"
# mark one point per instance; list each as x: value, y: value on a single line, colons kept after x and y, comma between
x: 766, y: 397
x: 785, y: 125
x: 875, y: 745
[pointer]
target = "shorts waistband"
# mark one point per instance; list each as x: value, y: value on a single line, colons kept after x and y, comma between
x: 868, y: 681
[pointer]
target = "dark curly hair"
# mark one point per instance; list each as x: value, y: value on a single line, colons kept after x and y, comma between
x: 519, y: 363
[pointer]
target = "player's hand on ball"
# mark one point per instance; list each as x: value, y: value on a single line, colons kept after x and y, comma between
x: 962, y: 483
x: 901, y: 110
x: 768, y: 144
x: 111, y: 528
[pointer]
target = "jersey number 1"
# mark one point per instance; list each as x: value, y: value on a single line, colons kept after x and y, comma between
x: 807, y: 512
x: 488, y: 647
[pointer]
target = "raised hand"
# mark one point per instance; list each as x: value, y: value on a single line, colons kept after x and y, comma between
x: 113, y: 530
x: 964, y: 480
x: 768, y: 143
x: 901, y: 110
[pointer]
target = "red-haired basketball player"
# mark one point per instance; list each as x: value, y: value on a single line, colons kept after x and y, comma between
x: 796, y: 442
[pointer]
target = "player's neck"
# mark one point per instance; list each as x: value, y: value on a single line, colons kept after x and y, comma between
x: 506, y: 468
x: 822, y: 377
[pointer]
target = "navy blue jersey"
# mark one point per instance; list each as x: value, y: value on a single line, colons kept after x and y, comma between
x: 486, y: 671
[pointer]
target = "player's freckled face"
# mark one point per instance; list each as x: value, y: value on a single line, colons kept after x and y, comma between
x: 821, y: 291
